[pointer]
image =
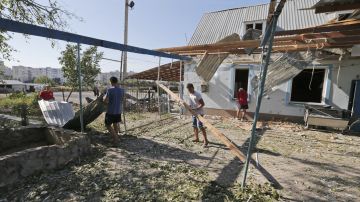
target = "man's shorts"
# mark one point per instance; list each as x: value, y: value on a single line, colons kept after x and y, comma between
x: 112, y: 118
x: 242, y: 106
x: 196, y: 123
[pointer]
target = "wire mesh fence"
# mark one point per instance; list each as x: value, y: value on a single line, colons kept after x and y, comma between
x: 148, y: 98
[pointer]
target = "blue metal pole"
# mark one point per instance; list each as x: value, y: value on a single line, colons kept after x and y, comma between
x: 265, y: 63
x: 19, y: 27
x: 80, y: 88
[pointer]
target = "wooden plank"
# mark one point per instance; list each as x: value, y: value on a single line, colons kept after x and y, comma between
x: 338, y: 7
x: 271, y: 11
x: 283, y: 43
x: 329, y: 28
x: 233, y: 148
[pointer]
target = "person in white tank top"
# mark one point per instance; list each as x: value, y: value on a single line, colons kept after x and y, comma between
x: 197, y: 103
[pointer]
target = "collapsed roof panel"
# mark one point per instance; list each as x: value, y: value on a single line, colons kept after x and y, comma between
x: 324, y: 6
x: 209, y: 64
x: 283, y: 69
x: 168, y: 72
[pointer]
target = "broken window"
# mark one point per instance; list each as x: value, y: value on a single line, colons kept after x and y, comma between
x: 308, y: 86
x: 249, y: 26
x: 258, y: 26
x: 241, y: 80
x: 343, y: 16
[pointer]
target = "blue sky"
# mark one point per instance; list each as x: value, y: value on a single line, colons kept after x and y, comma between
x: 152, y: 24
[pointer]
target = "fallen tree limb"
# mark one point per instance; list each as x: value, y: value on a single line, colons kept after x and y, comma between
x: 233, y: 148
x: 91, y: 112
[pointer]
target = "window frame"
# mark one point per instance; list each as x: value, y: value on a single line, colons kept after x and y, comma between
x: 263, y: 22
x: 325, y: 96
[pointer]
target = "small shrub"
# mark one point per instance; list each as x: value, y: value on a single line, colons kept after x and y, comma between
x: 16, y: 100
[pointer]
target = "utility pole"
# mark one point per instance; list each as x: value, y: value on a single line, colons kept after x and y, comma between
x: 123, y: 69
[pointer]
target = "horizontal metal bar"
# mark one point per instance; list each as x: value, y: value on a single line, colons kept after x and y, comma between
x: 24, y: 28
x: 113, y: 60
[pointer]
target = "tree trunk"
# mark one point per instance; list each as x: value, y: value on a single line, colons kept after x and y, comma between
x: 90, y: 112
x: 71, y: 91
x: 63, y: 94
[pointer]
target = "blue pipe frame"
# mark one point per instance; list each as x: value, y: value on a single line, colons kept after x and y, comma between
x: 24, y: 28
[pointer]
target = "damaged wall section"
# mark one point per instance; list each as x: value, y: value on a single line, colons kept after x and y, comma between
x: 220, y: 97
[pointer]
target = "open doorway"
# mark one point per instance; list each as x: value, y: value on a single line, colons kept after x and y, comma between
x: 308, y: 86
x: 241, y: 80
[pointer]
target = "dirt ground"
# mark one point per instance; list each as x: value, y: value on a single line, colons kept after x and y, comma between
x: 156, y: 160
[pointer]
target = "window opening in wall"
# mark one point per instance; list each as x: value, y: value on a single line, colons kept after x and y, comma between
x: 302, y: 92
x: 343, y: 16
x: 249, y: 26
x: 258, y: 26
x: 241, y: 79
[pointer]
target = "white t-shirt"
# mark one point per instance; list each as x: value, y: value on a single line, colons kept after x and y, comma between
x: 194, y: 102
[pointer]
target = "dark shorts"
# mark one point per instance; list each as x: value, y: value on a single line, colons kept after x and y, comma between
x: 112, y: 118
x: 196, y: 123
x: 244, y: 107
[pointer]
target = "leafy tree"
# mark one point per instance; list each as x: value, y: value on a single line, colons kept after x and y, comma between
x: 48, y: 13
x: 44, y: 80
x: 90, y: 59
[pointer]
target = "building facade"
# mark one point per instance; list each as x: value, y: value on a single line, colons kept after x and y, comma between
x: 325, y: 81
x: 103, y: 78
x: 22, y: 73
x: 5, y: 71
x: 28, y: 74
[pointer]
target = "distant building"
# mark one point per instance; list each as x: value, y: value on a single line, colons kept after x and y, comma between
x: 53, y: 73
x: 103, y: 78
x: 28, y: 74
x: 8, y: 86
x: 21, y: 73
x: 7, y: 73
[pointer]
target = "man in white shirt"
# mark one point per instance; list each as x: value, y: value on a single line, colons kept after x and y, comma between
x: 197, y: 103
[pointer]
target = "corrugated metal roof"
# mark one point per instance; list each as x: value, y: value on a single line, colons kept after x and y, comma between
x: 210, y: 63
x: 56, y: 113
x: 217, y: 25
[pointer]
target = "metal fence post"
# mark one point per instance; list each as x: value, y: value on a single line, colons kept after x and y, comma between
x: 269, y: 37
x: 80, y: 88
x: 158, y: 89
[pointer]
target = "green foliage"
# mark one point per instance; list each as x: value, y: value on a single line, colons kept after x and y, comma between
x: 44, y: 80
x: 252, y: 192
x: 90, y: 60
x: 16, y: 100
x: 48, y: 14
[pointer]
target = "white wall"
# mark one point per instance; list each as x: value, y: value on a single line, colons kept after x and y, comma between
x: 18, y: 87
x: 349, y: 70
x: 220, y: 91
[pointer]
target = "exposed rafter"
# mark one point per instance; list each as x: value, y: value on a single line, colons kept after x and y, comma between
x: 342, y: 34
